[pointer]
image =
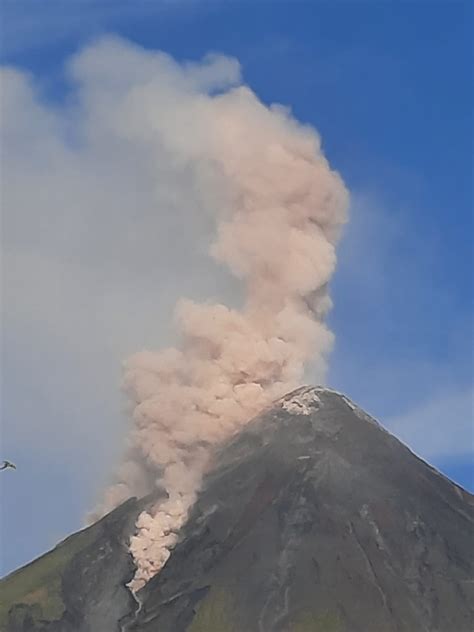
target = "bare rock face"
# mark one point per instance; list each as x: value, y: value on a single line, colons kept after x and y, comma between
x: 313, y: 518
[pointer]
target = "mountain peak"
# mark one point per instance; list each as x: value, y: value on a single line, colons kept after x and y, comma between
x: 312, y: 518
x: 307, y: 399
x: 316, y: 518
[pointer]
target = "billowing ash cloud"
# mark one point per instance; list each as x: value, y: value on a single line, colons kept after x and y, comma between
x: 281, y: 210
x: 277, y: 210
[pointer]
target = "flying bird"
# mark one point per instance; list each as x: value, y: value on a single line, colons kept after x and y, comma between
x: 7, y: 464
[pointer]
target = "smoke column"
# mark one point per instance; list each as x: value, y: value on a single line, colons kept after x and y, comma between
x: 279, y: 211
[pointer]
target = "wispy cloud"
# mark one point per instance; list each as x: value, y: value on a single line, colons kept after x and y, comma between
x: 91, y: 271
x: 29, y: 24
x: 439, y: 427
x: 402, y: 343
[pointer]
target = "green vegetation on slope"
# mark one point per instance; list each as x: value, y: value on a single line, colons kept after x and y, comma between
x: 215, y: 613
x: 40, y: 581
x: 309, y: 622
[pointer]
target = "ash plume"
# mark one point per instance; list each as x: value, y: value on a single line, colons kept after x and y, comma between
x: 278, y: 211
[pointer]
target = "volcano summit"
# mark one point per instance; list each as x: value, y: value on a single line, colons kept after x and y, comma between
x: 312, y: 518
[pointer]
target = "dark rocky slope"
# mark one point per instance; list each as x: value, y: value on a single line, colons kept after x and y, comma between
x: 312, y: 519
x: 80, y: 585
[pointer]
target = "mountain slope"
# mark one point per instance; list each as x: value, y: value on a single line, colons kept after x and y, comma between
x: 313, y: 518
x: 80, y: 584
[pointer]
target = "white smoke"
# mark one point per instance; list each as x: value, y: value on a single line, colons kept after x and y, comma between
x: 278, y: 210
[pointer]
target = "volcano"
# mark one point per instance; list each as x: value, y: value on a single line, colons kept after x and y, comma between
x: 312, y: 518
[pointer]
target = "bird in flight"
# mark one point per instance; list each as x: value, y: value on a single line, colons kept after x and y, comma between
x: 7, y: 464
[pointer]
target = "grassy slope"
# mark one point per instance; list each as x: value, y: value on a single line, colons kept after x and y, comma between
x: 40, y: 581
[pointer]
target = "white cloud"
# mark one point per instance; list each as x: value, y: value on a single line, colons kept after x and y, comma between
x: 109, y: 201
x: 28, y: 24
x: 400, y: 330
x: 440, y: 427
x: 90, y: 271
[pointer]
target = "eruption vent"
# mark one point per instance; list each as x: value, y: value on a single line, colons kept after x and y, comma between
x: 281, y: 211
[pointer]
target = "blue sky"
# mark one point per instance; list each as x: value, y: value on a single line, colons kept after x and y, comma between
x: 388, y: 87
